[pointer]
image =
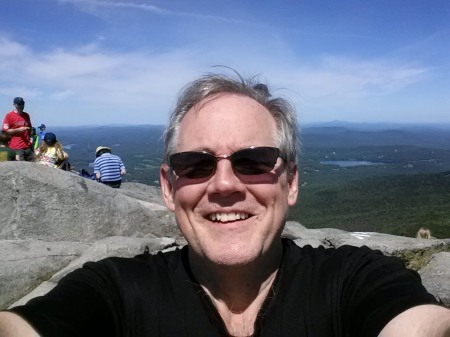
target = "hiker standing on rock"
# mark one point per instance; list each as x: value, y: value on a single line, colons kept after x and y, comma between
x: 17, y: 124
x: 230, y: 175
x: 41, y: 135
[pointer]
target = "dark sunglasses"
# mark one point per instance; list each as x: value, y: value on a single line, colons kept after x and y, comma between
x: 202, y: 164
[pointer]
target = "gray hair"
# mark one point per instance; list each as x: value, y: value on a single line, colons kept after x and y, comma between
x: 211, y: 85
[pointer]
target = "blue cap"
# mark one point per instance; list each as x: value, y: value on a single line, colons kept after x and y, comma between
x: 50, y: 138
x: 19, y: 101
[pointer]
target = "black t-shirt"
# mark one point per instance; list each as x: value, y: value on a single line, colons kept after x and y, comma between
x: 347, y: 291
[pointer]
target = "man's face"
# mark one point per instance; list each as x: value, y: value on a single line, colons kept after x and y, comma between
x: 222, y: 126
x: 19, y: 107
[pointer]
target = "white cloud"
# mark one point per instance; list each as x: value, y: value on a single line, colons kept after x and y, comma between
x: 92, y: 7
x: 354, y: 78
x: 10, y: 48
x: 139, y: 87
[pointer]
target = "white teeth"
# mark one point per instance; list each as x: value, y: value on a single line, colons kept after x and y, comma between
x: 224, y: 217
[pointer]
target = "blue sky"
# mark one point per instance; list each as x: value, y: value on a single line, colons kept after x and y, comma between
x: 79, y: 62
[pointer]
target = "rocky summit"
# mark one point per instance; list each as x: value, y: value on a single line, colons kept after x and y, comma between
x: 53, y: 221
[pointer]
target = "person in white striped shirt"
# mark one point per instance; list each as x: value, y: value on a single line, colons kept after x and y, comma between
x: 108, y: 168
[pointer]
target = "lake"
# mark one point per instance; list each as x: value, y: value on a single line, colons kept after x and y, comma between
x: 350, y: 163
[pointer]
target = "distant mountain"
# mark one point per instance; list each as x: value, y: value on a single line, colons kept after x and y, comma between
x: 377, y: 126
x: 141, y: 146
x: 339, y: 136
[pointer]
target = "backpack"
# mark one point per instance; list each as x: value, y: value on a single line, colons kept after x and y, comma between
x: 86, y: 174
x: 64, y: 165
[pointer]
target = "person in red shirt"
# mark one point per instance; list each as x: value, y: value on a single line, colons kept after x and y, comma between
x: 17, y: 124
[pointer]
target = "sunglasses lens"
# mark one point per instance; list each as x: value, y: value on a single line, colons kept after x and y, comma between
x: 251, y: 161
x: 254, y: 161
x: 193, y: 164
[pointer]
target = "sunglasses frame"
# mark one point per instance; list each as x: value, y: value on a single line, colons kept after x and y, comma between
x: 275, y: 150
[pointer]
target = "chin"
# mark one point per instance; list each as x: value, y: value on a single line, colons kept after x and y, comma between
x: 236, y: 254
x: 231, y: 260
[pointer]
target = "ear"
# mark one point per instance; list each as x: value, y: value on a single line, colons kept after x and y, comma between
x: 166, y: 186
x: 293, y: 184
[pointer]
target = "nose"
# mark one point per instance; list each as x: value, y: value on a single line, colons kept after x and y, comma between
x: 224, y: 181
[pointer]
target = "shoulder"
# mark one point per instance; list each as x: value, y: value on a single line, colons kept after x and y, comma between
x: 118, y: 277
x: 9, y: 114
x: 145, y: 265
x: 343, y: 254
x: 368, y: 287
x: 116, y: 157
x: 350, y: 263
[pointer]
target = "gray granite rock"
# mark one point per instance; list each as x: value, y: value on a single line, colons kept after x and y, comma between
x: 436, y: 276
x: 39, y: 202
x: 24, y: 264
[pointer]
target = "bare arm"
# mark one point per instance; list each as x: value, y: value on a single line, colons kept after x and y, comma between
x: 18, y: 130
x: 420, y: 321
x: 12, y: 325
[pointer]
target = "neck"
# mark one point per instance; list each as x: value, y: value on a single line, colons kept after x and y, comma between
x: 238, y: 292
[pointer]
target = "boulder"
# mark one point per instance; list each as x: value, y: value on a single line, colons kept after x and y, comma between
x: 41, y: 202
x: 415, y: 252
x: 436, y: 276
x: 27, y: 263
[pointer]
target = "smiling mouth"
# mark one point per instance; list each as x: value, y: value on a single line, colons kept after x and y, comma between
x: 225, y: 217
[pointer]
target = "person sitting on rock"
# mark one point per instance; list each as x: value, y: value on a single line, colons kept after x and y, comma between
x: 108, y: 168
x: 423, y: 233
x: 6, y: 154
x: 51, y: 152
